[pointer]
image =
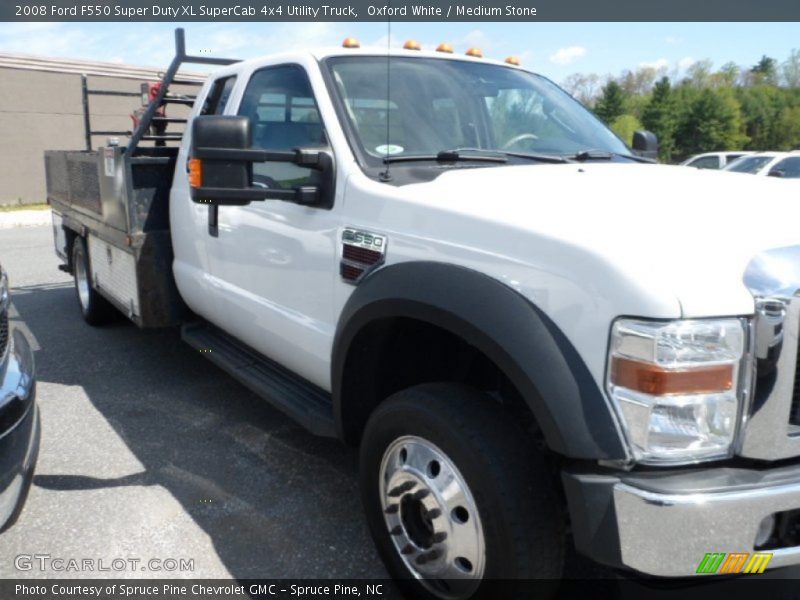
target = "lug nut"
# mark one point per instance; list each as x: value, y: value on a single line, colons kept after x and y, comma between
x: 402, y: 488
x: 438, y: 538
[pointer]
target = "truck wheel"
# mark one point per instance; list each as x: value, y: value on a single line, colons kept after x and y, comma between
x: 95, y: 309
x: 456, y: 494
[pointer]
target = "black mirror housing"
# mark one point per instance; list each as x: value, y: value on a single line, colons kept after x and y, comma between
x: 220, y: 144
x: 776, y: 173
x: 645, y: 144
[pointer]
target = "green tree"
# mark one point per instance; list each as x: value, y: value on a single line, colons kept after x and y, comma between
x: 791, y: 69
x: 765, y: 71
x: 728, y: 75
x: 625, y: 126
x: 661, y: 117
x: 712, y: 122
x: 611, y: 103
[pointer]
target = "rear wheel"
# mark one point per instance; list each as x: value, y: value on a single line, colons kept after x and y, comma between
x: 95, y: 309
x: 456, y: 495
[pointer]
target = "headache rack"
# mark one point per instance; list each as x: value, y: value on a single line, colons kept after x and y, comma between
x: 164, y: 98
x: 117, y: 198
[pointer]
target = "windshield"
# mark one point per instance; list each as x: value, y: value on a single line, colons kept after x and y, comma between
x: 748, y: 164
x: 437, y: 105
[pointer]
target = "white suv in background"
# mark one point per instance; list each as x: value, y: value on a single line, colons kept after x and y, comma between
x: 713, y: 160
x: 774, y: 164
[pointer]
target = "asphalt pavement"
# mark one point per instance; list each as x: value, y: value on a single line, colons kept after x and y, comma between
x: 150, y: 452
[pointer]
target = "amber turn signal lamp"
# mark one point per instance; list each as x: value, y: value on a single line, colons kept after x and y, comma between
x: 475, y: 52
x: 412, y: 45
x: 351, y: 42
x: 445, y: 47
x: 195, y: 173
x: 513, y: 60
x: 657, y: 381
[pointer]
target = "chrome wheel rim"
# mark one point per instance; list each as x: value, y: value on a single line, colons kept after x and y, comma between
x: 82, y: 283
x: 432, y: 518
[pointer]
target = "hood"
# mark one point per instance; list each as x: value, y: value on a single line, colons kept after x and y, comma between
x: 673, y: 230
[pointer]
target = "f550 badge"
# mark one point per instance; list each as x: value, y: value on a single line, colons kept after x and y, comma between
x: 362, y: 252
x: 364, y: 239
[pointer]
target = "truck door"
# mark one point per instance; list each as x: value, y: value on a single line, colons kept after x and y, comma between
x: 273, y: 262
x: 188, y: 220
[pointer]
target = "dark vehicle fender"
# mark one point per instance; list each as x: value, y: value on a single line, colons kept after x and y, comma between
x: 520, y: 339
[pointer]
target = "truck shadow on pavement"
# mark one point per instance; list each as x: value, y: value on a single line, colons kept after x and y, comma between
x: 274, y: 500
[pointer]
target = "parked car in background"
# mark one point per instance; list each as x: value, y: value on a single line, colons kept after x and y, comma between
x: 713, y: 160
x: 19, y: 419
x: 773, y: 164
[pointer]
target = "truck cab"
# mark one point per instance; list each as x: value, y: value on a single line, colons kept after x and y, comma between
x: 535, y: 336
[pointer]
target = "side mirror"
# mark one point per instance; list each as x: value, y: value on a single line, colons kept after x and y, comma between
x: 645, y: 144
x: 221, y: 166
x: 776, y: 173
x: 220, y: 171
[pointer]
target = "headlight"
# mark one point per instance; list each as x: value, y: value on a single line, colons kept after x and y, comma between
x: 677, y: 386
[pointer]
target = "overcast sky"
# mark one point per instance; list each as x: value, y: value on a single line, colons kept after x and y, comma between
x: 553, y: 49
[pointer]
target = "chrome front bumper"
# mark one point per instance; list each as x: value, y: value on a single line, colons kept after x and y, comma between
x: 663, y: 524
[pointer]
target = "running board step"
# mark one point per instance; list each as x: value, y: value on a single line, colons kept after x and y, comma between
x: 303, y: 401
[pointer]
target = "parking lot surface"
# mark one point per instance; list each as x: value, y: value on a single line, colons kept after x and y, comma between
x: 150, y: 452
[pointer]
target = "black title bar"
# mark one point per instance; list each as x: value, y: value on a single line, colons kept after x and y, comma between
x: 400, y: 10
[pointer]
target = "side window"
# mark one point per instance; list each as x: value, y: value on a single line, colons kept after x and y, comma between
x: 218, y: 96
x: 790, y: 167
x: 284, y: 116
x: 706, y: 162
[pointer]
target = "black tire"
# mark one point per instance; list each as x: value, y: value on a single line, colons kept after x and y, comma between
x: 508, y: 477
x: 95, y: 309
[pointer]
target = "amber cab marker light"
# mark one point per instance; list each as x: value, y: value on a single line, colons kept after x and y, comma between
x: 445, y: 47
x: 475, y: 52
x: 195, y: 173
x: 513, y: 60
x: 351, y: 42
x: 657, y: 381
x: 412, y: 45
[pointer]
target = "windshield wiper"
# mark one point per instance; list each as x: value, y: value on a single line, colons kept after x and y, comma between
x: 445, y: 156
x: 545, y: 158
x: 585, y: 155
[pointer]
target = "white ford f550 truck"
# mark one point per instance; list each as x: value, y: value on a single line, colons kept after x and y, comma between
x: 535, y: 337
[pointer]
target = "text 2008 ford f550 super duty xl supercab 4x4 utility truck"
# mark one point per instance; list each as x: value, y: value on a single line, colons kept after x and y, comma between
x: 535, y: 339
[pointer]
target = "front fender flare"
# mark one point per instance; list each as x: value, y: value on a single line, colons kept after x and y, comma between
x: 520, y: 339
